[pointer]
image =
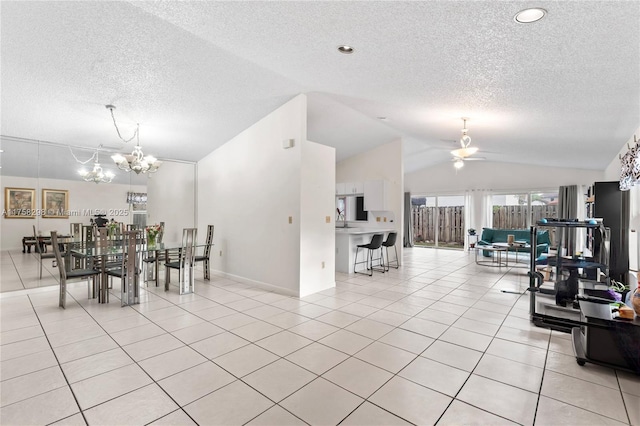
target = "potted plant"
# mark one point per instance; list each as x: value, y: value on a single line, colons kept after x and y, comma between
x: 472, y: 233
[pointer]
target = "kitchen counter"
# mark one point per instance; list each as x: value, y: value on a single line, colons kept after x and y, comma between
x: 361, y: 231
x: 346, y: 241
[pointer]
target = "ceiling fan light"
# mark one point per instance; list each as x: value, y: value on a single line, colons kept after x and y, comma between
x: 458, y: 164
x: 464, y: 152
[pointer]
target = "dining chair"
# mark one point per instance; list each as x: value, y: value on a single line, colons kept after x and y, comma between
x: 182, y: 260
x: 76, y: 230
x: 88, y: 235
x: 129, y: 268
x: 91, y: 275
x: 207, y: 253
x: 41, y: 256
x: 152, y: 261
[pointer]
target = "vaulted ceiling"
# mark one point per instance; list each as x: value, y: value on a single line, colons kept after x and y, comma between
x: 563, y: 91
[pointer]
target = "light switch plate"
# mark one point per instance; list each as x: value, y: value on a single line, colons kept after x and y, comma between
x: 290, y: 219
x: 327, y: 219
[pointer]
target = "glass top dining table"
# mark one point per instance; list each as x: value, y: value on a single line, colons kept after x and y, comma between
x: 101, y: 250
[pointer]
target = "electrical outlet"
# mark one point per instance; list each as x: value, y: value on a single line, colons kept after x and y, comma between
x: 290, y: 219
x: 377, y: 218
x: 220, y: 253
x: 327, y: 219
x: 322, y: 265
x: 385, y: 219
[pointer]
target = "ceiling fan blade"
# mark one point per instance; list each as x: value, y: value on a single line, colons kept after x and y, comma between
x: 475, y: 159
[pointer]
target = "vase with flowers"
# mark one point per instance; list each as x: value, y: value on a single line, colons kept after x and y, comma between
x: 152, y: 234
x: 112, y: 229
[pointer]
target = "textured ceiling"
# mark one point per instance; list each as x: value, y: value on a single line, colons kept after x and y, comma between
x: 564, y: 91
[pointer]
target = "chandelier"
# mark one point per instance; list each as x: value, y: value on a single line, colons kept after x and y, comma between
x: 97, y: 175
x: 136, y: 161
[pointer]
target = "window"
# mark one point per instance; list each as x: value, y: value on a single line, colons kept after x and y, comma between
x: 521, y: 210
x: 138, y: 208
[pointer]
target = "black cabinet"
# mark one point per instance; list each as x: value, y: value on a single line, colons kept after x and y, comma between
x: 604, y: 340
x: 612, y: 205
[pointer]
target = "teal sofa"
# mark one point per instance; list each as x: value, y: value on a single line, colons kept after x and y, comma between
x: 491, y: 235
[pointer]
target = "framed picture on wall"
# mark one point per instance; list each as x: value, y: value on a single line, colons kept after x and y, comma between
x: 19, y: 203
x: 55, y: 203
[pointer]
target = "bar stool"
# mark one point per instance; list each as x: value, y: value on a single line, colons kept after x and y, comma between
x: 375, y: 244
x: 391, y: 242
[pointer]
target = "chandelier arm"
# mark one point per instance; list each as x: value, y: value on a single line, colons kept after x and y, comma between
x: 93, y: 156
x: 135, y: 133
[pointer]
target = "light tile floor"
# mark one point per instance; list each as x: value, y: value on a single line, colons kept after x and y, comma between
x: 434, y: 342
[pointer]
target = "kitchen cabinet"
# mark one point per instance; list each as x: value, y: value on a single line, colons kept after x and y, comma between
x: 376, y: 195
x: 349, y: 188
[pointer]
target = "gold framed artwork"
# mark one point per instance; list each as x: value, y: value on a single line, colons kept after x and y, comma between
x: 19, y: 203
x: 55, y: 203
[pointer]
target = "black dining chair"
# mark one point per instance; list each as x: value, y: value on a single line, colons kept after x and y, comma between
x: 40, y: 250
x: 92, y: 275
x: 372, y: 247
x: 207, y: 253
x: 391, y: 242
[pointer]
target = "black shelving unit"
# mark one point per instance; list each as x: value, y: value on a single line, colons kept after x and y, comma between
x: 567, y: 272
x: 612, y: 205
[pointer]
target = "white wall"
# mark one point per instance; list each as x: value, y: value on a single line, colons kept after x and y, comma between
x: 383, y: 162
x: 249, y: 188
x: 444, y: 179
x: 83, y: 196
x: 171, y: 198
x: 317, y: 235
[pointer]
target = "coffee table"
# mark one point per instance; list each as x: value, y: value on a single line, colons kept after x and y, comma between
x: 496, y: 256
x: 516, y: 248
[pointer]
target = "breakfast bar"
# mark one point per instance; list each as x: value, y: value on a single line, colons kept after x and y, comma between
x: 346, y: 241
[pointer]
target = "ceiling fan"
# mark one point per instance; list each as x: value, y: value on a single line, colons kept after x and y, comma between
x: 465, y: 151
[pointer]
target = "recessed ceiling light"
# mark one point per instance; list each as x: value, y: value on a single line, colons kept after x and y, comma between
x: 528, y: 16
x: 382, y: 118
x: 347, y: 50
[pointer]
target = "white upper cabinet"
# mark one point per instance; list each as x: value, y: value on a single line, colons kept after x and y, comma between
x: 356, y: 187
x: 349, y: 188
x: 376, y: 194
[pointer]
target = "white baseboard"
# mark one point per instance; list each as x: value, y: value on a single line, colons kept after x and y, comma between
x: 260, y: 284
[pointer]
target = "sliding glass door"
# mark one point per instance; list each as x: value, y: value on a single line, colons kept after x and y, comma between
x: 438, y: 221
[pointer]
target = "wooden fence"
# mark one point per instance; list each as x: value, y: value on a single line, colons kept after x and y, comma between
x: 451, y: 225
